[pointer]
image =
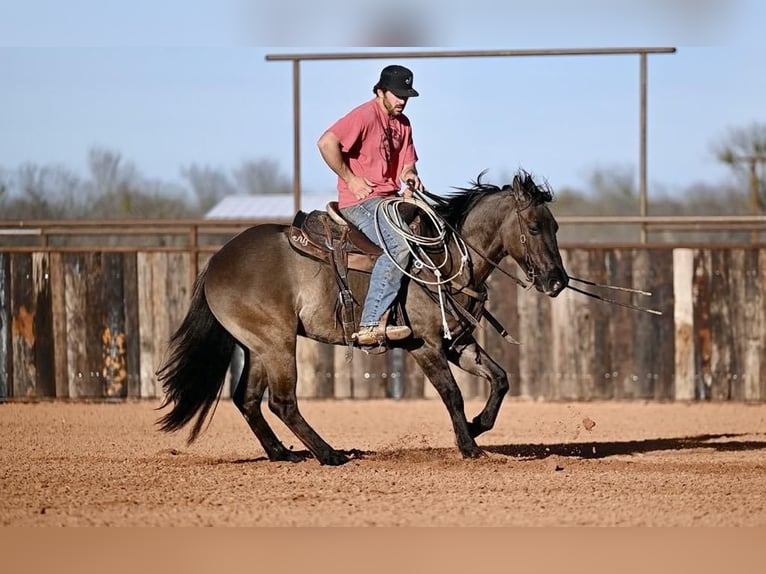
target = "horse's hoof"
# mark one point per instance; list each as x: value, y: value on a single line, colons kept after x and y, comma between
x: 288, y: 456
x: 335, y: 458
x: 474, y: 453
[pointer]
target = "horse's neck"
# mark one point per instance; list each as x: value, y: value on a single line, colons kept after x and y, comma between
x: 481, y: 231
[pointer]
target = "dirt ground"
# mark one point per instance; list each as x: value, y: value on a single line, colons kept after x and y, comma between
x: 548, y: 464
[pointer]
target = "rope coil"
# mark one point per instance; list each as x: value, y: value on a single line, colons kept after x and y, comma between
x: 388, y: 210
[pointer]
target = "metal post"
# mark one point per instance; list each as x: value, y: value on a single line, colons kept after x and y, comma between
x: 755, y: 199
x: 642, y: 154
x: 296, y: 135
x: 193, y: 256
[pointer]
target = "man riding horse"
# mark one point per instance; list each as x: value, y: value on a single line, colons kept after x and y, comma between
x: 372, y: 151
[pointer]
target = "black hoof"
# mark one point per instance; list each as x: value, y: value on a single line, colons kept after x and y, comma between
x: 288, y: 456
x: 334, y: 458
x: 474, y: 453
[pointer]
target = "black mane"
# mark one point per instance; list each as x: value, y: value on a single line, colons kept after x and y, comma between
x: 454, y: 207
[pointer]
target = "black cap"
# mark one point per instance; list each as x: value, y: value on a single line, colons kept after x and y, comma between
x: 396, y: 79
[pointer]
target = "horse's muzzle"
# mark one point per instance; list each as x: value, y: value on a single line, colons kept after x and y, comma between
x: 555, y: 283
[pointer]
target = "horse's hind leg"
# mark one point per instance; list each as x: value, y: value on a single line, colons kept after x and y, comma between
x: 282, y: 375
x: 247, y: 397
x: 475, y: 360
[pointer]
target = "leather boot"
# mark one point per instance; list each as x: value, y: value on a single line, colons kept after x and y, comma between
x: 377, y: 336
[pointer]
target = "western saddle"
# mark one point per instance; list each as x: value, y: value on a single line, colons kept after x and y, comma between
x: 328, y: 237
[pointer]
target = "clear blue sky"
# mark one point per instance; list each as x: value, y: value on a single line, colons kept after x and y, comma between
x: 170, y: 84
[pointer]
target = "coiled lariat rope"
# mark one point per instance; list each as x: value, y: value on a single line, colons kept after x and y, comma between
x: 388, y: 210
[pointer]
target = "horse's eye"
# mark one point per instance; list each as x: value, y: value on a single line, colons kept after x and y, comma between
x: 534, y: 229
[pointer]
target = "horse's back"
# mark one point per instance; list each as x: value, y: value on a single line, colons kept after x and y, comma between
x: 254, y: 261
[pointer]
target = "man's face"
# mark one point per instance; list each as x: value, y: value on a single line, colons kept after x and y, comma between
x: 393, y: 103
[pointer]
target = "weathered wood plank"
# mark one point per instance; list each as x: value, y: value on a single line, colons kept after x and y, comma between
x: 23, y: 326
x: 162, y: 320
x: 6, y: 353
x: 572, y: 336
x: 58, y: 311
x: 45, y: 384
x: 132, y: 325
x: 370, y: 375
x: 395, y: 376
x: 503, y: 304
x: 738, y: 306
x: 146, y: 331
x: 413, y: 381
x: 703, y: 337
x: 114, y: 356
x: 748, y: 316
x: 758, y: 386
x: 325, y: 369
x: 315, y: 368
x: 537, y: 372
x: 661, y: 262
x: 683, y: 316
x: 172, y: 289
x: 306, y: 358
x: 342, y: 387
x: 721, y: 326
x: 654, y: 336
x: 95, y: 311
x: 32, y: 329
x: 179, y: 288
x: 75, y: 303
x: 601, y: 313
x: 148, y: 309
x: 643, y: 342
x: 623, y: 375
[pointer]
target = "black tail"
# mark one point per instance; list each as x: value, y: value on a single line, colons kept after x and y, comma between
x: 193, y: 376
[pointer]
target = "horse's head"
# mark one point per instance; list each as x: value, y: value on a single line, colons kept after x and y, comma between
x: 528, y: 234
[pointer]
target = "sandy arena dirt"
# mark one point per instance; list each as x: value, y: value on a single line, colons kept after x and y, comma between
x: 611, y: 464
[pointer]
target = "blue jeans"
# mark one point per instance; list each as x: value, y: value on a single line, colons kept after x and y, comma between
x: 386, y: 278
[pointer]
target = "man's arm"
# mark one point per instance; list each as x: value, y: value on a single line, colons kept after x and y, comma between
x: 330, y: 149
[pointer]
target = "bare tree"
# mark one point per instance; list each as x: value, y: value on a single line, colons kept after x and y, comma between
x: 744, y: 150
x: 261, y: 176
x: 208, y: 185
x: 41, y: 192
x: 109, y: 174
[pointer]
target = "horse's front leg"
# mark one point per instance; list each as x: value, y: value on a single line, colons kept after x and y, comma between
x: 436, y: 369
x: 474, y: 360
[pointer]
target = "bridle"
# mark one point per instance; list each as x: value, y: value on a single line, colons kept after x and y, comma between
x: 527, y: 258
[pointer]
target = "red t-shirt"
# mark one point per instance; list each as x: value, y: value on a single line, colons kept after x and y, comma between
x: 376, y: 147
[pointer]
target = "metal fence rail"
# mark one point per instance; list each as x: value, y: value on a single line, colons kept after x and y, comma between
x: 207, y: 235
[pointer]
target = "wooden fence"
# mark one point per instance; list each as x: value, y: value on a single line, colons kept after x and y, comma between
x: 94, y: 324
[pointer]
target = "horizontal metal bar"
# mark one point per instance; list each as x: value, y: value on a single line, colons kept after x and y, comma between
x: 468, y: 53
x: 660, y: 219
x: 25, y: 231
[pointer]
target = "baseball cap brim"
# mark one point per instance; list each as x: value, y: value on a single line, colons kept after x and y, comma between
x: 408, y: 93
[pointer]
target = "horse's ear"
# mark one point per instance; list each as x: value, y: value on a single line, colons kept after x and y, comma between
x: 517, y: 183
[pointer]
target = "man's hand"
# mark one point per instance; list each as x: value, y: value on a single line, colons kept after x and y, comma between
x: 413, y: 183
x: 361, y: 187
